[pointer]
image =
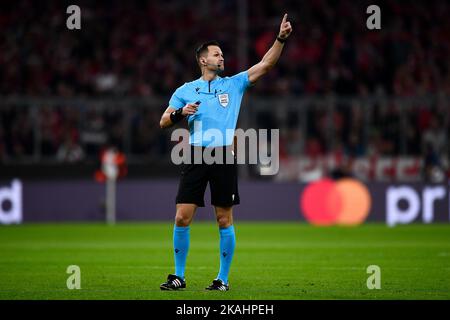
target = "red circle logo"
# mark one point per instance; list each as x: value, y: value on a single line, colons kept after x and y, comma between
x: 327, y: 202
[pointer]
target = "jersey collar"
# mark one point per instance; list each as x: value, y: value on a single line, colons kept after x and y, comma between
x: 201, y: 80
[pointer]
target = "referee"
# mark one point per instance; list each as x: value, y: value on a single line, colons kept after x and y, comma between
x: 214, y: 102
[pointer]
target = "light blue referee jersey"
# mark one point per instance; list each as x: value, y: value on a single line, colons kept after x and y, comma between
x: 218, y: 111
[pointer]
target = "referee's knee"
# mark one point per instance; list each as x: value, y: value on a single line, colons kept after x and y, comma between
x: 224, y: 221
x: 182, y: 219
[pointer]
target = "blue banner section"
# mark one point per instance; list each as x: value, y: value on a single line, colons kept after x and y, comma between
x: 147, y: 200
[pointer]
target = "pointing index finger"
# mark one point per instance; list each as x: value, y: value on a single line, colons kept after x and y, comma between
x: 284, y: 18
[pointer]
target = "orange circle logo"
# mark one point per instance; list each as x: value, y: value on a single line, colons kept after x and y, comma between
x: 344, y: 202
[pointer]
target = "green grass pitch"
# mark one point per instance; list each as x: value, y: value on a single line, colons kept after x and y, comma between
x: 272, y: 261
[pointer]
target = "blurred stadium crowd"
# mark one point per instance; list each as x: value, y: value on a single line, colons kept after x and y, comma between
x: 145, y: 49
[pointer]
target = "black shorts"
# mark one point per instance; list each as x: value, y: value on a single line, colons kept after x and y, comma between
x: 222, y: 178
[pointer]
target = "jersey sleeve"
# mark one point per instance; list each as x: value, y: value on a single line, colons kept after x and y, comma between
x: 177, y: 101
x: 241, y: 80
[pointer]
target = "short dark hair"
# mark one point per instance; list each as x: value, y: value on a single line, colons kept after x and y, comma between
x: 204, y: 48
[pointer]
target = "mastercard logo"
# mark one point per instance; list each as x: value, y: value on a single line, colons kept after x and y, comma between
x: 327, y: 202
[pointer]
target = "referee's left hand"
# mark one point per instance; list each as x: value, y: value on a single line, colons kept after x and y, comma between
x: 285, y: 28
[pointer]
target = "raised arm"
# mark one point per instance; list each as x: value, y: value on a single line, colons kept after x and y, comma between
x: 271, y: 57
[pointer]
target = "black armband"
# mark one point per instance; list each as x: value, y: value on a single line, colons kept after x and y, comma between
x: 176, y: 116
x: 281, y: 39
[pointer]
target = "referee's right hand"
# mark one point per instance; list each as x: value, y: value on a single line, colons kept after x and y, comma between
x: 189, y: 109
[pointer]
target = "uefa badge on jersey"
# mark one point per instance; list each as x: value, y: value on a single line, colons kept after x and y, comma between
x: 223, y: 99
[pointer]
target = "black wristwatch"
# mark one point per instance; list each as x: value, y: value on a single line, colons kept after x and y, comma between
x: 281, y: 39
x: 177, y: 115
